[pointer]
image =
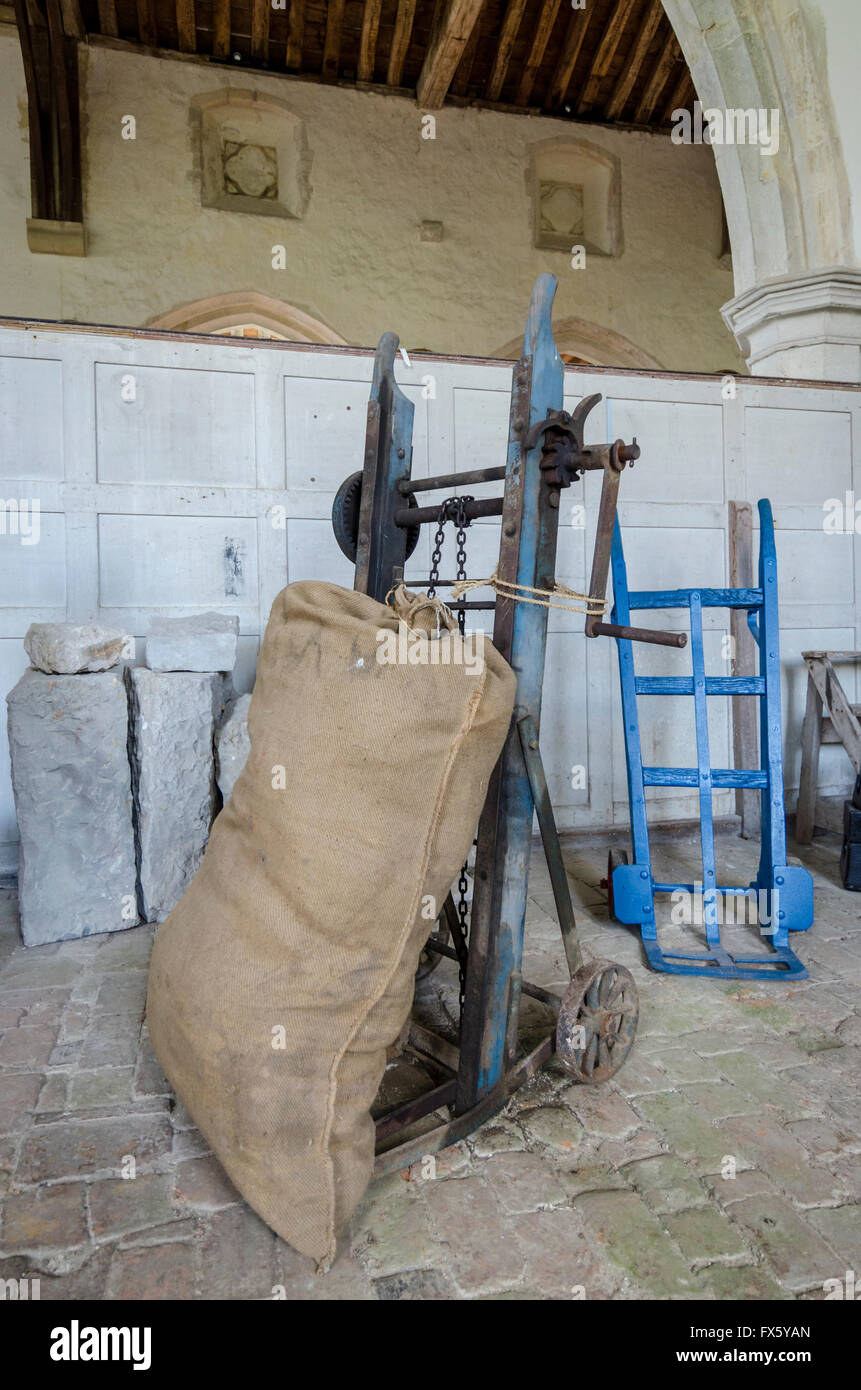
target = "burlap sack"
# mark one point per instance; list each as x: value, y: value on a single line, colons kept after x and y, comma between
x: 287, y: 969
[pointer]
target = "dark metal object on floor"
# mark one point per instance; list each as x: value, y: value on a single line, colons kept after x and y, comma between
x: 850, y: 858
x: 375, y: 524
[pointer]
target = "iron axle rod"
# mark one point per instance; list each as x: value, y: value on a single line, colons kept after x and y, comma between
x: 639, y: 634
x: 413, y: 516
x: 448, y: 480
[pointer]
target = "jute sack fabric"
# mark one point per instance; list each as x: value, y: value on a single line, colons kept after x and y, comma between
x: 279, y: 980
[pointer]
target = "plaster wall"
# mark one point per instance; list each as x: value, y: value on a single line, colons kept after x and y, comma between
x: 355, y: 261
x: 841, y: 21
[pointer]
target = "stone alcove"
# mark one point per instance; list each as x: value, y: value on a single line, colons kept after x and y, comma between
x: 575, y: 189
x: 252, y: 153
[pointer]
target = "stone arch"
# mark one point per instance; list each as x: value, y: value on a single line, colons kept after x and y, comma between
x: 589, y: 343
x: 790, y: 211
x: 789, y: 215
x: 223, y: 311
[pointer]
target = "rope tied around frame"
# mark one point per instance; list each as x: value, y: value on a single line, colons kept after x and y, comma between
x: 595, y: 607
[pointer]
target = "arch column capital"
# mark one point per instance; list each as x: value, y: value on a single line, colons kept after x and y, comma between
x: 806, y: 325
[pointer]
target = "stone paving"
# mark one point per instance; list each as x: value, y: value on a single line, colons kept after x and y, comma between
x: 724, y: 1161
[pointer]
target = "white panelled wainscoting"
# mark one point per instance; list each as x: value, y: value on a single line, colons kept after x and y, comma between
x: 176, y: 474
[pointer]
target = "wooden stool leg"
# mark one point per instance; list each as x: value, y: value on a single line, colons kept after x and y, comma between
x: 811, y: 738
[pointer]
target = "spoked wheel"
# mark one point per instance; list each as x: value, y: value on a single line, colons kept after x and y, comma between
x: 614, y: 859
x: 429, y: 960
x: 597, y: 1021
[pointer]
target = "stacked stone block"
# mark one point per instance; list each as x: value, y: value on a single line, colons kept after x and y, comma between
x: 114, y: 772
x: 232, y: 745
x: 173, y: 717
x: 70, y: 774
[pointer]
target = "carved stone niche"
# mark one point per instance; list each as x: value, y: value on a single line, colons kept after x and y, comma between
x: 252, y: 153
x: 575, y: 189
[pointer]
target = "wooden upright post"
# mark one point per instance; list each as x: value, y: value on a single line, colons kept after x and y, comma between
x: 744, y: 707
x: 50, y: 59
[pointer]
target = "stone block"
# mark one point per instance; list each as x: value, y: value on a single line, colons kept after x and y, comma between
x: 68, y: 740
x: 796, y: 1253
x: 75, y: 1149
x: 202, y: 1182
x: 237, y: 1257
x: 165, y: 1272
x: 205, y: 642
x: 477, y: 1235
x: 232, y: 745
x: 72, y: 648
x: 121, y: 1205
x: 49, y: 1217
x: 637, y: 1242
x: 173, y: 721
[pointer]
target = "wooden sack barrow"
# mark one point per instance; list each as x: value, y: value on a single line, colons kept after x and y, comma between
x: 377, y: 521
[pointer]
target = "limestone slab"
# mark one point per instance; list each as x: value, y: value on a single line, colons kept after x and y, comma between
x: 173, y: 716
x: 70, y: 773
x: 73, y: 648
x: 232, y: 745
x: 204, y: 642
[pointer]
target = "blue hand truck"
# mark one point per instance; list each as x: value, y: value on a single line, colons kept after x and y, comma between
x: 783, y: 892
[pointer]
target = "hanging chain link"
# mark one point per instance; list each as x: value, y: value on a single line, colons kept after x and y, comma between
x: 462, y: 912
x: 461, y: 521
x: 454, y: 509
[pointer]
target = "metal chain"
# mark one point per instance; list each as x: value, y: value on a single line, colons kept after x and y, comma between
x: 436, y: 555
x: 462, y: 912
x: 454, y: 509
x: 461, y: 521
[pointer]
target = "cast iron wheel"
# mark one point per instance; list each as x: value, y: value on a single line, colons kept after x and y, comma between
x: 345, y: 517
x: 597, y: 1021
x: 614, y: 859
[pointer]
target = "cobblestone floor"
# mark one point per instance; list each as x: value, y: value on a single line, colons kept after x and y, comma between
x: 618, y: 1192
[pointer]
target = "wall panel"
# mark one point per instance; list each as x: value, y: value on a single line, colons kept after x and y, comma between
x: 214, y: 485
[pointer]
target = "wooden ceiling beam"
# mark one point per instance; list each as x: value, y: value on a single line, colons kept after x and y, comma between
x: 578, y: 26
x: 449, y: 37
x: 400, y: 41
x: 605, y: 53
x: 221, y: 28
x: 332, y: 42
x: 460, y: 81
x: 543, y: 29
x: 368, y: 41
x: 147, y: 24
x: 50, y: 60
x: 260, y: 12
x: 634, y: 62
x: 63, y: 107
x: 108, y: 19
x: 73, y: 22
x: 186, y: 26
x: 507, y: 40
x: 669, y: 56
x: 38, y: 116
x: 681, y: 97
x: 295, y: 36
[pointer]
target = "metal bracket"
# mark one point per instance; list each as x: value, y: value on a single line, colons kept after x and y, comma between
x: 564, y: 456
